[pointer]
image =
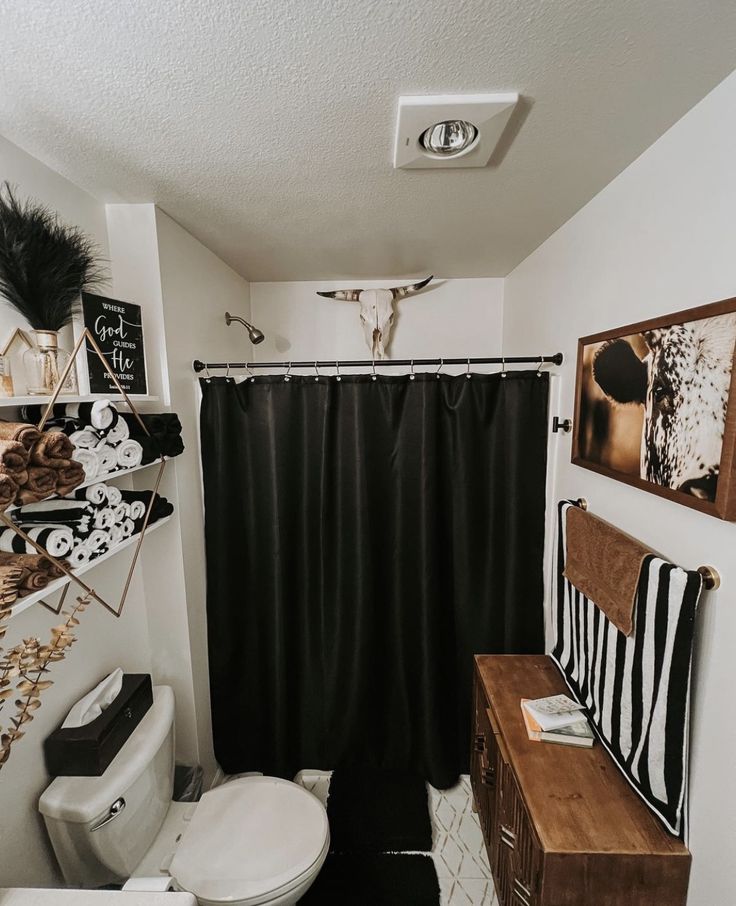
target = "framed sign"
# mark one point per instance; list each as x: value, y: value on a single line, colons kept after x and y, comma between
x: 652, y: 406
x: 118, y: 329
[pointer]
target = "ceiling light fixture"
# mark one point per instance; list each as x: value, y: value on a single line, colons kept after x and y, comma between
x: 450, y: 130
x: 449, y: 138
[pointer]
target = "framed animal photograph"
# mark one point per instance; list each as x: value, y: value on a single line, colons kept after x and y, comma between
x: 652, y: 406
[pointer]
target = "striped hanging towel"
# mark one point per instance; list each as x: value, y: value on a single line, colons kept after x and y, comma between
x: 636, y: 688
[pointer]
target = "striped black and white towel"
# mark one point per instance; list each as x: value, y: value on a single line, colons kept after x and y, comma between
x: 636, y: 688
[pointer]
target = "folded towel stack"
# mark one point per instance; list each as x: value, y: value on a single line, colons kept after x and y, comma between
x: 164, y: 437
x: 85, y: 527
x: 139, y: 501
x: 99, y: 434
x: 34, y: 465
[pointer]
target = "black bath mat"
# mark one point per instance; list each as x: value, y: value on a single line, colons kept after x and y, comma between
x: 375, y: 880
x: 373, y: 811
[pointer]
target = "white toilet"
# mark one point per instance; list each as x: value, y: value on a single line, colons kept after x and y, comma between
x: 255, y: 841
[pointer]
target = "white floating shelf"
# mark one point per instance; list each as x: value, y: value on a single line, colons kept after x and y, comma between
x: 108, y: 476
x: 29, y: 600
x: 72, y: 398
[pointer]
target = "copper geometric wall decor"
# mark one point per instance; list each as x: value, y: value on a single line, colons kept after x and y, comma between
x: 88, y: 590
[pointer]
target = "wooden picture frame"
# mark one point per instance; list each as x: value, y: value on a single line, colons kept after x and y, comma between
x: 652, y: 406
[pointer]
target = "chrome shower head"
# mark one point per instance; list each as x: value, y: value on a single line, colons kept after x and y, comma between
x: 254, y: 334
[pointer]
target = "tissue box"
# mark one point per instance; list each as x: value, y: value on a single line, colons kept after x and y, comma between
x: 87, y: 751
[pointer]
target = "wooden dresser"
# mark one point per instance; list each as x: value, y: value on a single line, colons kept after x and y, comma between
x: 562, y: 826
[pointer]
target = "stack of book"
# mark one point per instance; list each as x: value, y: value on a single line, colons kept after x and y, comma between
x: 556, y: 719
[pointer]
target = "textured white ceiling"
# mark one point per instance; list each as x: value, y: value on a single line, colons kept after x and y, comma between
x: 265, y: 127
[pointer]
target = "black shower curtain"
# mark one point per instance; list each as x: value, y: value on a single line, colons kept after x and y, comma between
x: 364, y: 539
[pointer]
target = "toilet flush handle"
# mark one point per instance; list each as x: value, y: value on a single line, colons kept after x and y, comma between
x: 115, y: 809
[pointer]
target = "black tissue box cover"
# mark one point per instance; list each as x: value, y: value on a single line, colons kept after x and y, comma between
x: 87, y: 751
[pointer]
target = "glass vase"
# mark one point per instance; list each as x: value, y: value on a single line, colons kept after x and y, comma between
x: 44, y: 364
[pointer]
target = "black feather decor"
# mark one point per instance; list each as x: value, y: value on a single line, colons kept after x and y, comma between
x: 44, y: 264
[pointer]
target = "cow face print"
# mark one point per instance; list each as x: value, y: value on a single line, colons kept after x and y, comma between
x: 683, y: 385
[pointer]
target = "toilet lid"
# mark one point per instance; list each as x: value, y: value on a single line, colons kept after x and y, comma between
x: 248, y: 838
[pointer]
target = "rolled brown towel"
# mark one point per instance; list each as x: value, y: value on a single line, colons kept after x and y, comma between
x: 10, y: 577
x: 24, y: 433
x: 32, y: 581
x: 34, y: 572
x: 14, y: 460
x: 8, y: 490
x: 53, y: 450
x: 41, y: 483
x: 69, y: 477
x: 34, y: 562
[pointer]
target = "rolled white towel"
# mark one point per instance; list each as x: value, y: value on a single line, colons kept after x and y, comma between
x: 86, y: 439
x: 97, y: 540
x: 104, y: 518
x: 119, y: 432
x: 95, y: 493
x: 137, y: 509
x: 89, y: 460
x: 103, y: 416
x: 122, y: 512
x: 113, y: 494
x: 79, y: 555
x: 128, y: 528
x: 106, y: 457
x: 129, y: 453
x: 57, y: 539
x: 116, y: 535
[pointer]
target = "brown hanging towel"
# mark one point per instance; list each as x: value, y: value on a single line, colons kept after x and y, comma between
x: 604, y: 564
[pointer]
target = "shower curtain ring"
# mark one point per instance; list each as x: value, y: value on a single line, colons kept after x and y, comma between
x: 437, y: 373
x: 338, y: 376
x: 503, y: 367
x: 316, y: 373
x: 412, y: 376
x: 207, y: 375
x: 287, y: 376
x: 541, y: 363
x: 468, y: 375
x: 374, y: 376
x: 227, y: 370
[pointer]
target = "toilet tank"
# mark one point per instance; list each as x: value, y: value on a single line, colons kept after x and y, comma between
x: 101, y: 827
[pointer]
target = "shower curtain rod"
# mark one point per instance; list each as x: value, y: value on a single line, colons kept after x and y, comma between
x: 555, y: 359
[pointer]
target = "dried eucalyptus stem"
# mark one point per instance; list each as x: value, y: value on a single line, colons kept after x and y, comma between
x: 29, y: 662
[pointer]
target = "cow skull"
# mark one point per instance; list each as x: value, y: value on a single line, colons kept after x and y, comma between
x: 376, y: 311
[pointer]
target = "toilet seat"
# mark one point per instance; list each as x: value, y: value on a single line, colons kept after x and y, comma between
x: 250, y: 841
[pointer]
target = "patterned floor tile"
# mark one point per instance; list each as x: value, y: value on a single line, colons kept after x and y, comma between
x: 457, y: 849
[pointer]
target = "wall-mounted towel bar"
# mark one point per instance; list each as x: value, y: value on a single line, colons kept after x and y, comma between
x: 711, y: 576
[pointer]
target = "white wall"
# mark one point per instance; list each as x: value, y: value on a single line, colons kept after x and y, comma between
x: 104, y: 643
x: 449, y: 318
x: 197, y: 290
x: 658, y: 239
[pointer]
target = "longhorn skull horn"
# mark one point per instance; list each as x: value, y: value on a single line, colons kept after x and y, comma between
x: 353, y: 295
x: 400, y: 291
x: 344, y: 295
